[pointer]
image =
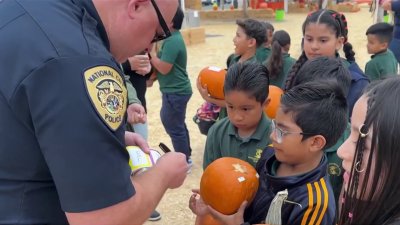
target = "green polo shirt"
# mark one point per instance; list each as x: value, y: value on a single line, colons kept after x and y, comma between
x: 173, y: 51
x: 262, y: 54
x: 287, y: 65
x: 335, y: 169
x: 224, y: 141
x: 381, y: 65
x: 234, y: 59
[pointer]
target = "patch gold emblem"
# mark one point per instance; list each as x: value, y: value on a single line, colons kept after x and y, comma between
x: 108, y: 94
x: 334, y: 169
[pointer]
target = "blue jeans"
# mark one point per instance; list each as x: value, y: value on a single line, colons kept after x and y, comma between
x: 173, y: 113
x: 395, y: 48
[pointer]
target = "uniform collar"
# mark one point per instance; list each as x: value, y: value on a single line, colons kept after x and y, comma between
x: 280, y: 183
x: 379, y: 53
x: 285, y: 55
x: 258, y: 134
x: 89, y: 7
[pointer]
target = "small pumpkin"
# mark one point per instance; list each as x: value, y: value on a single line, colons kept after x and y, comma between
x: 214, y: 78
x: 274, y: 94
x: 227, y: 182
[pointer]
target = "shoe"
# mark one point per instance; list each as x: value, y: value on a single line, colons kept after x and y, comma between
x: 190, y: 163
x: 155, y: 216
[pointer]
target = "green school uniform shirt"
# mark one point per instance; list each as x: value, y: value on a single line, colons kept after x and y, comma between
x: 287, y: 65
x: 173, y: 51
x: 224, y: 141
x: 262, y: 54
x: 335, y: 169
x: 381, y: 65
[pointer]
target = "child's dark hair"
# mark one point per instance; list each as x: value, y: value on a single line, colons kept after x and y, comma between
x: 380, y: 166
x: 324, y: 68
x: 275, y: 62
x: 253, y: 29
x: 335, y: 20
x: 178, y: 19
x: 318, y: 107
x: 268, y: 26
x: 383, y: 31
x: 249, y: 77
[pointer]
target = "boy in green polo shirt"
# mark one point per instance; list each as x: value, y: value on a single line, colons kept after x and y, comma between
x: 245, y: 133
x: 383, y: 62
x: 175, y: 86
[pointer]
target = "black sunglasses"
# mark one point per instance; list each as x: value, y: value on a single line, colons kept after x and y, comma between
x: 167, y: 32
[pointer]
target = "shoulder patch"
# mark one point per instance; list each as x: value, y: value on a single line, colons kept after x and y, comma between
x: 334, y: 169
x: 108, y: 94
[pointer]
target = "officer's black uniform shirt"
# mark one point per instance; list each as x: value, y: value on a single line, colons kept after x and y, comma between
x: 62, y: 110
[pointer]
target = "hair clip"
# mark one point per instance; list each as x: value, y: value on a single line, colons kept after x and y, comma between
x: 363, y: 135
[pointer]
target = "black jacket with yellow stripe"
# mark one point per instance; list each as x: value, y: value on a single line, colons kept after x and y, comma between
x: 310, y: 197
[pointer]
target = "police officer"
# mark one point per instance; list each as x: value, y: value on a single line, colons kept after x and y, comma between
x: 63, y: 105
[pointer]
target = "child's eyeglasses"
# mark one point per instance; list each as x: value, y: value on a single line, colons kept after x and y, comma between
x: 163, y: 24
x: 279, y: 133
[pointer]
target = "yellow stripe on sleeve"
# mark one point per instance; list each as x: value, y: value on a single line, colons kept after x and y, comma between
x: 318, y: 205
x: 310, y: 204
x: 326, y: 200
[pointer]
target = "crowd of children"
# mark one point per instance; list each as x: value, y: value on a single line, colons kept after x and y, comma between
x: 323, y: 109
x: 332, y: 144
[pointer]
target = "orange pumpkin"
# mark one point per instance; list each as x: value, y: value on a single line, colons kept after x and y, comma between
x: 274, y: 95
x: 208, y: 220
x: 213, y: 77
x: 227, y: 182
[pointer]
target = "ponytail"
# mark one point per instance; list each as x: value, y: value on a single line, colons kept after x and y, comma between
x: 275, y: 61
x: 348, y: 52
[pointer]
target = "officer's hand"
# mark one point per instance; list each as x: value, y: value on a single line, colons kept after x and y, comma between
x: 136, y: 139
x: 136, y: 114
x: 175, y: 168
x: 387, y: 5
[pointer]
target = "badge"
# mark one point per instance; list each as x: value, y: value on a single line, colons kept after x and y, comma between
x: 334, y: 169
x: 108, y: 94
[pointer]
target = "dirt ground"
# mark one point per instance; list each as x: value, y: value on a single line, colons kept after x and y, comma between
x: 174, y: 206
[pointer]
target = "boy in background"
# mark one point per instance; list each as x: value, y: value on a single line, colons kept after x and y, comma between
x: 383, y: 62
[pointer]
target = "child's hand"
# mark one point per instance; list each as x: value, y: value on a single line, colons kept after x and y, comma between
x: 197, y: 205
x: 203, y: 91
x: 233, y: 219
